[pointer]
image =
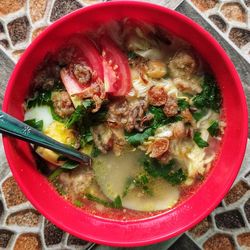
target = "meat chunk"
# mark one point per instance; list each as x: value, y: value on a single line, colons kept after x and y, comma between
x: 136, y: 114
x: 171, y: 106
x: 157, y: 96
x: 76, y: 181
x: 102, y: 136
x: 158, y: 147
x: 118, y: 140
x: 62, y: 104
x: 183, y: 65
x: 107, y: 138
x: 96, y: 92
x: 187, y: 116
x: 47, y: 74
x: 82, y: 73
x: 128, y: 115
x: 179, y: 130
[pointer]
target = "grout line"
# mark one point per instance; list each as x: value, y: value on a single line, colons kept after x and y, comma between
x: 219, y: 31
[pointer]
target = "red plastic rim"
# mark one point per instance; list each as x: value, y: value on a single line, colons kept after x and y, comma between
x: 168, y: 224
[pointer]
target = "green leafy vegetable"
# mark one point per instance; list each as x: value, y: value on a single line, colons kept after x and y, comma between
x: 183, y: 104
x: 132, y: 55
x: 78, y: 115
x: 140, y: 181
x: 210, y: 96
x: 176, y: 177
x: 199, y: 141
x: 88, y: 103
x: 160, y: 119
x: 136, y: 139
x: 44, y: 98
x: 117, y: 203
x: 156, y: 169
x: 214, y: 129
x: 40, y: 98
x: 55, y: 174
x: 78, y: 203
x: 98, y: 117
x: 88, y: 120
x: 55, y: 116
x: 86, y: 137
x: 95, y: 151
x: 69, y: 164
x: 35, y: 124
x: 199, y: 114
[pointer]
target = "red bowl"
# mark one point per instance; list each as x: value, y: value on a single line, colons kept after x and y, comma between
x: 168, y: 224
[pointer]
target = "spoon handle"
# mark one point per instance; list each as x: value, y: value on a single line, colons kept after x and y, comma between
x: 13, y: 127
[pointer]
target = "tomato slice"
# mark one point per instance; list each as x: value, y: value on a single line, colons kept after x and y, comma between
x: 87, y: 52
x: 71, y: 84
x: 117, y: 78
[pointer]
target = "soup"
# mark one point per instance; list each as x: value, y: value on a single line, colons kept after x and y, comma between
x: 142, y: 103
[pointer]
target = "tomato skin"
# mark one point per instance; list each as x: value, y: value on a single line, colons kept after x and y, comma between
x: 89, y: 53
x: 117, y: 76
x: 71, y: 84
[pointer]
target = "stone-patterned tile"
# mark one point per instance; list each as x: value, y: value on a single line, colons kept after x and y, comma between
x: 184, y: 243
x: 229, y: 220
x: 239, y: 36
x: 236, y: 192
x: 202, y: 227
x: 247, y: 209
x: 219, y: 22
x: 1, y: 28
x: 1, y: 209
x: 6, y: 66
x: 52, y: 234
x: 204, y: 5
x: 247, y: 2
x: 28, y: 218
x: 5, y: 43
x: 219, y: 242
x: 18, y: 29
x: 90, y: 1
x: 244, y: 240
x: 28, y: 241
x: 63, y: 7
x: 234, y: 12
x: 12, y: 193
x: 37, y: 31
x: 5, y: 236
x: 72, y: 240
x: 7, y: 7
x: 37, y: 9
x: 17, y: 53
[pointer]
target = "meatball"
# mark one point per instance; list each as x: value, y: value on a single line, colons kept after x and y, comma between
x: 157, y: 96
x: 183, y: 65
x: 62, y: 104
x: 171, y: 106
x: 179, y: 130
x: 82, y: 73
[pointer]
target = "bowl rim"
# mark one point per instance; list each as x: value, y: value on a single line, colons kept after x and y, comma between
x: 202, y: 214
